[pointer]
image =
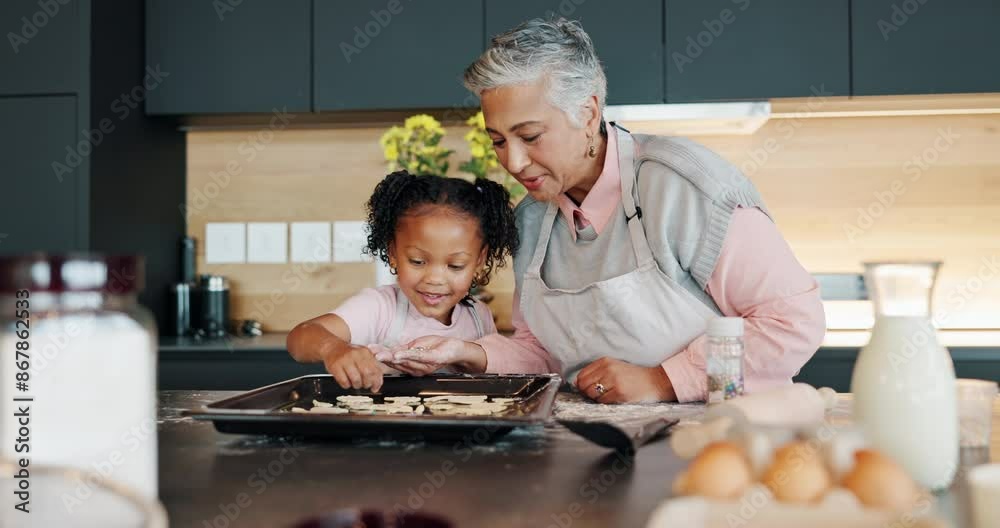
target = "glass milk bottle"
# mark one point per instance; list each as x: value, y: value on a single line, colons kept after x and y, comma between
x: 904, y: 380
x: 78, y: 375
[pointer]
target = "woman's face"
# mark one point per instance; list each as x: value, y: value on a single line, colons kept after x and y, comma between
x: 535, y: 141
x: 436, y: 252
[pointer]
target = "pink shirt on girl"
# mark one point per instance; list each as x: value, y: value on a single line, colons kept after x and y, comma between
x: 370, y: 312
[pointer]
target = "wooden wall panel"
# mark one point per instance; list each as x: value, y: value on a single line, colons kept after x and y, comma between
x: 814, y: 174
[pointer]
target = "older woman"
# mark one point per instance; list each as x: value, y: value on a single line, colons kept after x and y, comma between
x: 629, y: 243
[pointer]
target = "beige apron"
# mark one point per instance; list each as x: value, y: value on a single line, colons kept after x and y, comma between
x: 642, y: 317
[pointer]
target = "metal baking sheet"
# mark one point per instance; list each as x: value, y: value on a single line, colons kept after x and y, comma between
x: 266, y: 410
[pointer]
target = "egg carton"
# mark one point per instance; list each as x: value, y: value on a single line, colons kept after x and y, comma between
x: 757, y: 508
x: 814, y: 498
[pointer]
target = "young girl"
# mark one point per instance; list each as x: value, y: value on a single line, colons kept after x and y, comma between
x: 440, y: 237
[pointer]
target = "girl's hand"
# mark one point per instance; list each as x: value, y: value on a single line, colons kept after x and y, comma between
x: 624, y: 382
x: 428, y: 354
x: 354, y: 367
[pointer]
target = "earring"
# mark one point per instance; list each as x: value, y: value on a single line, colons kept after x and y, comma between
x: 392, y: 269
x: 591, y: 150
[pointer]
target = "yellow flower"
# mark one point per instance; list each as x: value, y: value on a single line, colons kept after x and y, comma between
x: 422, y: 121
x: 477, y: 121
x: 477, y: 151
x: 391, y: 153
x: 412, y: 166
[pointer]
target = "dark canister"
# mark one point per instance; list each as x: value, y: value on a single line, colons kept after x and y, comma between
x: 213, y: 305
x: 181, y: 303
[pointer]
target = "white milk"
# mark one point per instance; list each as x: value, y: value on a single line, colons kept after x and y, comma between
x: 905, y: 398
x: 93, y: 380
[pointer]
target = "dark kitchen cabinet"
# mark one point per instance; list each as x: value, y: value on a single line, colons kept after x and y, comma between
x: 394, y: 54
x: 40, y: 210
x: 40, y: 53
x: 229, y: 57
x: 628, y: 36
x: 925, y: 47
x: 81, y: 168
x: 738, y: 50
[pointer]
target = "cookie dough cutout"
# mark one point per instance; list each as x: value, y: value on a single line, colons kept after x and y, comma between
x: 328, y: 410
x: 458, y: 398
x: 317, y: 403
x: 404, y: 400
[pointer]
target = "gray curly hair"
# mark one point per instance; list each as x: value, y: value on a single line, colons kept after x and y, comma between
x: 557, y: 51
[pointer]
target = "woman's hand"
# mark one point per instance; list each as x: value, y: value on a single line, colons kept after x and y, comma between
x: 624, y: 382
x: 428, y: 354
x: 354, y: 367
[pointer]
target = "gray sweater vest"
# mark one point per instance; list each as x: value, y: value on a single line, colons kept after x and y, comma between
x: 687, y: 194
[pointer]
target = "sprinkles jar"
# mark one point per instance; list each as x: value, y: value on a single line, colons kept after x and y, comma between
x: 724, y: 359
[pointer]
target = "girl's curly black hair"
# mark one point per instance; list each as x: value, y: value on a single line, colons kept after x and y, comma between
x: 487, y: 201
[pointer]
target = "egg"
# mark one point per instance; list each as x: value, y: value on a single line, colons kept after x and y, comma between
x: 720, y: 471
x: 797, y: 474
x: 879, y: 482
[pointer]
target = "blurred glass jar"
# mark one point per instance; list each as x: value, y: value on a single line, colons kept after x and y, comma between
x: 79, y: 369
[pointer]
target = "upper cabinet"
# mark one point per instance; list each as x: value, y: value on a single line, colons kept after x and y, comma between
x: 719, y: 50
x: 36, y: 134
x: 227, y: 56
x: 378, y: 54
x: 255, y: 56
x: 41, y: 52
x: 925, y: 47
x: 627, y: 34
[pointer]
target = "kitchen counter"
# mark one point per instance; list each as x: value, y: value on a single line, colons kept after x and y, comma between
x: 530, y: 477
x: 536, y: 477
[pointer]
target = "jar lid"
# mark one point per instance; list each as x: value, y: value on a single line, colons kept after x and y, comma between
x: 72, y: 272
x: 725, y: 327
x: 214, y: 283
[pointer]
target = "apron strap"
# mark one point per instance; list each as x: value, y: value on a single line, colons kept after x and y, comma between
x: 544, y: 232
x: 633, y: 213
x: 396, y: 328
x: 480, y: 332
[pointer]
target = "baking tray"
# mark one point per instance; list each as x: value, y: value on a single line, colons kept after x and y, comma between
x: 266, y: 410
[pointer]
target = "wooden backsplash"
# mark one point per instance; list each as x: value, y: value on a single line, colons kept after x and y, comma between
x: 843, y: 190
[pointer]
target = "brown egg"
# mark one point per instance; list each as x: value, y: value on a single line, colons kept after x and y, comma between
x: 879, y: 482
x: 797, y: 474
x: 720, y: 471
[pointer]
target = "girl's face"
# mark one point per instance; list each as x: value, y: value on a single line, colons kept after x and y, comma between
x: 536, y: 142
x: 436, y: 252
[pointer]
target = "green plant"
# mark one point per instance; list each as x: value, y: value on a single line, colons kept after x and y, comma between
x: 416, y: 146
